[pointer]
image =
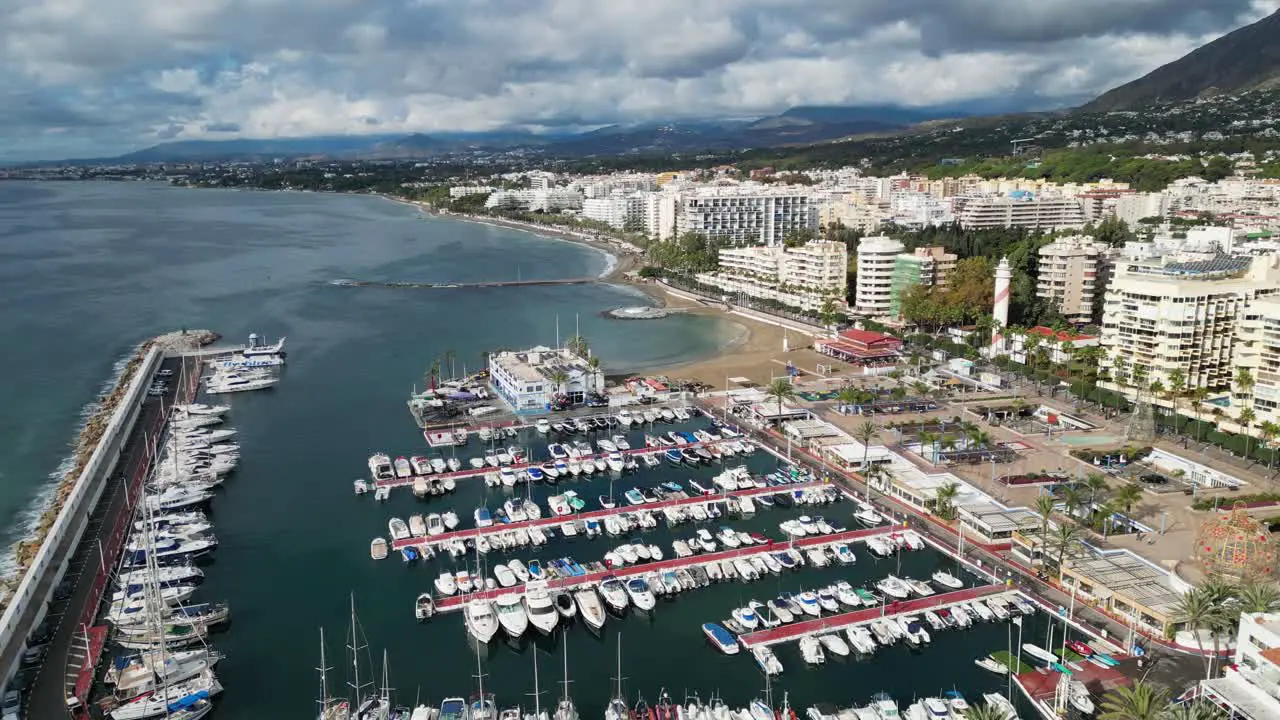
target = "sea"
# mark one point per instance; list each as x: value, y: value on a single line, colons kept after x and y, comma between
x: 89, y: 270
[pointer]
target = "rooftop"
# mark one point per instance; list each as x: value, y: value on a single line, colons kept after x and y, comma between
x: 998, y: 518
x: 1123, y: 573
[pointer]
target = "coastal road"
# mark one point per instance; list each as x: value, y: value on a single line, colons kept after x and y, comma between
x: 51, y: 682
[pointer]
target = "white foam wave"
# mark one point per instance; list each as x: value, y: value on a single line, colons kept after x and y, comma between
x: 27, y: 522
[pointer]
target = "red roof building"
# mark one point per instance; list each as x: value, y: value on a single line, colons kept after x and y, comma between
x: 861, y: 347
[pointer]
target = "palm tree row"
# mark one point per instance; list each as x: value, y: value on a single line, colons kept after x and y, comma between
x: 1216, y: 604
x: 1144, y: 701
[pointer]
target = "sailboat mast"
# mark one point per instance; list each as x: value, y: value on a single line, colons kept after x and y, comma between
x: 537, y: 693
x: 324, y: 678
x: 355, y: 656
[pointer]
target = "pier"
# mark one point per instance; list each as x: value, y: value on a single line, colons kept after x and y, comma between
x: 457, y: 602
x: 521, y: 467
x: 554, y: 520
x: 833, y: 623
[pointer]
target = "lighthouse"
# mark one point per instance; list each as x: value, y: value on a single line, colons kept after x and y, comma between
x: 1000, y: 308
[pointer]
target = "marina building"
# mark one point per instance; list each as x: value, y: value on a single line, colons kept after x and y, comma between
x: 1073, y: 275
x: 989, y: 523
x: 746, y: 215
x: 530, y: 381
x: 805, y: 276
x: 1181, y: 316
x: 927, y: 266
x: 877, y: 260
x: 1020, y: 209
x: 1125, y: 584
x: 861, y: 347
x: 1250, y: 686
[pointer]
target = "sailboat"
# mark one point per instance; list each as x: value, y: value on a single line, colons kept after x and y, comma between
x: 330, y: 708
x: 538, y: 712
x: 367, y: 705
x: 617, y: 708
x: 482, y: 706
x: 565, y: 709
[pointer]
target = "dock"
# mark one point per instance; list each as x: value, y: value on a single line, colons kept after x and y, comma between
x: 467, y: 473
x: 458, y: 602
x: 835, y: 623
x: 554, y: 520
x: 411, y: 285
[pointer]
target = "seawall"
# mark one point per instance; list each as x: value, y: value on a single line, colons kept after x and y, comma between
x: 29, y: 602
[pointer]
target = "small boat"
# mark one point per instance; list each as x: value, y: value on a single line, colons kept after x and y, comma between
x: 1080, y: 648
x: 767, y: 661
x: 505, y: 577
x: 746, y: 617
x: 811, y: 650
x: 808, y: 602
x: 540, y: 606
x: 723, y: 640
x: 483, y: 517
x: 614, y: 593
x: 565, y: 606
x: 987, y: 663
x: 946, y: 579
x: 398, y: 529
x: 834, y: 644
x: 1002, y: 704
x: 446, y: 584
x: 1039, y: 653
x: 590, y: 607
x: 543, y: 426
x: 640, y: 595
x: 480, y: 620
x: 606, y: 502
x: 1078, y: 696
x: 634, y: 496
x: 378, y: 549
x: 417, y: 525
x: 450, y: 520
x: 435, y: 526
x: 424, y: 607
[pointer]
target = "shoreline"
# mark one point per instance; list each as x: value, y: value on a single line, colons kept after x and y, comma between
x: 754, y: 351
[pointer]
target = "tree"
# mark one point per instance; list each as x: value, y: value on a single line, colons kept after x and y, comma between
x: 1198, y: 396
x: 558, y: 378
x: 1243, y: 383
x: 1193, y: 710
x: 780, y: 389
x: 1177, y: 389
x: 1142, y: 701
x: 1269, y: 431
x: 1073, y: 499
x: 985, y: 711
x: 945, y: 499
x: 1126, y: 495
x: 1246, y: 419
x: 1258, y: 596
x: 1097, y: 483
x: 1044, y: 508
x: 1197, y: 610
x: 865, y: 433
x: 829, y: 314
x: 1064, y: 541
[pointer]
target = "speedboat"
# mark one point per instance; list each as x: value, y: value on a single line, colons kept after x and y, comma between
x: 519, y: 570
x: 1078, y: 696
x: 398, y: 529
x: 987, y: 663
x: 483, y: 517
x: 767, y: 661
x: 640, y: 595
x: 480, y: 620
x: 614, y: 593
x: 781, y: 610
x: 946, y: 579
x: 625, y: 418
x: 542, y: 426
x: 808, y: 602
x: 893, y: 587
x: 1039, y: 653
x: 746, y: 617
x: 503, y: 574
x: 511, y: 614
x: 834, y: 644
x: 724, y: 640
x: 590, y: 607
x: 614, y: 462
x: 811, y: 650
x: 540, y: 607
x: 446, y: 584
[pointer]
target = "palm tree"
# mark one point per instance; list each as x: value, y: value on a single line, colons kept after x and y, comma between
x: 558, y: 378
x: 849, y: 395
x: 1197, y: 610
x: 1126, y: 495
x: 1096, y: 482
x: 1073, y: 499
x: 1192, y: 710
x: 1244, y: 382
x: 780, y: 389
x: 1198, y: 396
x: 1140, y: 702
x: 1177, y: 389
x: 946, y: 495
x: 1246, y: 419
x: 1044, y: 508
x: 1064, y: 541
x: 865, y: 433
x: 1269, y: 431
x: 1257, y: 596
x: 930, y: 439
x: 985, y: 711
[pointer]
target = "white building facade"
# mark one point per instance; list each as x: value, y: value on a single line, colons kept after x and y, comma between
x: 1025, y: 210
x: 877, y: 257
x: 527, y: 380
x: 805, y: 277
x: 1250, y: 687
x: 746, y: 215
x: 1072, y: 274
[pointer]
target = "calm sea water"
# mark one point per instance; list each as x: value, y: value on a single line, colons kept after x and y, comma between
x: 89, y: 270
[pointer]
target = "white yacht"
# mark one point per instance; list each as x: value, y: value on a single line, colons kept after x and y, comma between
x: 540, y: 607
x: 589, y: 607
x: 511, y: 615
x: 235, y: 382
x: 480, y: 620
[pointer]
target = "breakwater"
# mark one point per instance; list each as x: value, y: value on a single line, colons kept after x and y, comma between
x: 443, y: 286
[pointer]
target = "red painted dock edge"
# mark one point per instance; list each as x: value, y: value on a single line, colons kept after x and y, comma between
x: 457, y: 601
x: 497, y: 529
x: 481, y: 472
x: 836, y: 622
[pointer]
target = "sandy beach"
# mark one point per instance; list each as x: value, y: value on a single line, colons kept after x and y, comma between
x: 753, y: 350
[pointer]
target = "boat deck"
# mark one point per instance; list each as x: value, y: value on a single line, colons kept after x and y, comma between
x: 469, y: 472
x: 833, y: 623
x: 457, y: 602
x: 550, y: 522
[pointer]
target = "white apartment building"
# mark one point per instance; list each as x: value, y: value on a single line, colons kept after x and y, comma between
x: 1257, y: 350
x: 619, y: 210
x: 746, y: 215
x: 1072, y: 273
x: 1250, y: 686
x: 877, y: 258
x: 1181, y: 316
x: 919, y: 209
x: 525, y: 380
x: 658, y: 212
x: 805, y: 276
x: 544, y: 200
x: 1020, y: 209
x: 458, y: 191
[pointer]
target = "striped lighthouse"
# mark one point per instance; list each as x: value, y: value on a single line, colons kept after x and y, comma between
x: 1000, y: 309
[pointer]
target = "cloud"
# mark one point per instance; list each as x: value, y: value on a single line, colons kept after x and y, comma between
x: 78, y: 80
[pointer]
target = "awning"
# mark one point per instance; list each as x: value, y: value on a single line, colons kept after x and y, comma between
x: 740, y: 380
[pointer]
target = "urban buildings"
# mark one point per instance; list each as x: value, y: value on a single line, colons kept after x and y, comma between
x: 1053, y: 342
x: 529, y: 381
x: 1184, y: 317
x: 805, y: 276
x: 1072, y: 275
x: 746, y: 215
x: 1020, y: 209
x: 1257, y: 351
x: 927, y: 266
x: 1250, y: 687
x: 877, y: 258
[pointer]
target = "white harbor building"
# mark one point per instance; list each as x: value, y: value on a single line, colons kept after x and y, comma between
x: 528, y: 381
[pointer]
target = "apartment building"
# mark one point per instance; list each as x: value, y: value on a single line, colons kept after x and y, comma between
x: 1257, y: 350
x: 1072, y: 275
x: 805, y: 276
x: 746, y: 215
x: 1020, y: 209
x: 877, y: 259
x: 1181, y: 316
x: 1250, y: 687
x: 928, y: 266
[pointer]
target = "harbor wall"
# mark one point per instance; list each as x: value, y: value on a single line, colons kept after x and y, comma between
x: 46, y: 569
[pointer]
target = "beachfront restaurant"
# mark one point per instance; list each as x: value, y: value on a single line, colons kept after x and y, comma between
x: 989, y: 524
x: 861, y: 347
x: 1126, y: 585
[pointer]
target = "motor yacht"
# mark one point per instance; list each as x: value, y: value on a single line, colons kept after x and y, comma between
x: 511, y: 614
x: 480, y: 620
x: 541, y: 607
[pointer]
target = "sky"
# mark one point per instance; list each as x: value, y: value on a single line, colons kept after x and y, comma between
x: 94, y: 78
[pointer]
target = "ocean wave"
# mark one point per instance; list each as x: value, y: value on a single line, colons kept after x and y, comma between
x: 29, y: 519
